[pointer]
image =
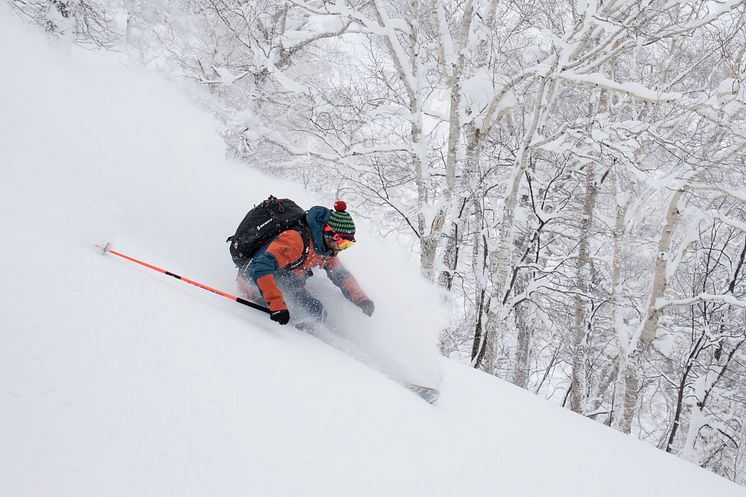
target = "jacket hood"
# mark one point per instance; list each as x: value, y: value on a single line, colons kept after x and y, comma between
x: 317, y: 217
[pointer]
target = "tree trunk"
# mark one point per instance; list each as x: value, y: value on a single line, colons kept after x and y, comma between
x: 582, y: 284
x: 501, y: 259
x: 621, y: 337
x: 646, y: 333
x: 523, y: 346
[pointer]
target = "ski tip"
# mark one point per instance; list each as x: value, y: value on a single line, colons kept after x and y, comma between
x: 430, y: 395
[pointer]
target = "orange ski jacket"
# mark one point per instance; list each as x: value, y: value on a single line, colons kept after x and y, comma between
x: 287, y: 248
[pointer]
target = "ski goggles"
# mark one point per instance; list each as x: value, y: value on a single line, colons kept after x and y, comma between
x: 343, y: 241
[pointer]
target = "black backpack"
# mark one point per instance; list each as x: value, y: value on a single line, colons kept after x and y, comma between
x: 264, y: 222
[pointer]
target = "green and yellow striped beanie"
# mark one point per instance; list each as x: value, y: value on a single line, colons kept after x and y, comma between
x: 341, y: 221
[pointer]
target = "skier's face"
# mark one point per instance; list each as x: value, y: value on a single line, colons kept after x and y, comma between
x: 333, y: 246
x: 336, y: 242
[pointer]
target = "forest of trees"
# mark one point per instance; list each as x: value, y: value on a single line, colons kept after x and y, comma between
x: 571, y: 173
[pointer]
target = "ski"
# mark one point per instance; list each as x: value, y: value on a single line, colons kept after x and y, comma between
x: 429, y: 394
x: 426, y: 393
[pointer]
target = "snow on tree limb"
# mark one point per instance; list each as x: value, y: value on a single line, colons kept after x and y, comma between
x: 737, y: 195
x: 733, y: 223
x: 724, y: 7
x: 702, y: 297
x: 635, y: 90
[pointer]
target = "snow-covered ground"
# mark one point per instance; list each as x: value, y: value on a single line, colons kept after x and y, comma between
x: 118, y: 381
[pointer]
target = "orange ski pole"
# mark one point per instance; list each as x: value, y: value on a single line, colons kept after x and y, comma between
x: 106, y: 249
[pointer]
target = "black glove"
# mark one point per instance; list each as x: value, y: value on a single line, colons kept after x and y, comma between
x: 281, y: 317
x: 367, y: 307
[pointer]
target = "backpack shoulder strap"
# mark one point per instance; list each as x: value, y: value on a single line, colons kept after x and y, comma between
x: 305, y: 235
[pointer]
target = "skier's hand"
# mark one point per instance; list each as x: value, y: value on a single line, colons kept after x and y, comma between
x: 281, y: 317
x: 367, y: 307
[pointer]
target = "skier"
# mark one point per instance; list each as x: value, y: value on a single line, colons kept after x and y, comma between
x: 320, y: 239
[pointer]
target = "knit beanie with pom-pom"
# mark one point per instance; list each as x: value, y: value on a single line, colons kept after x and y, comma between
x: 341, y: 222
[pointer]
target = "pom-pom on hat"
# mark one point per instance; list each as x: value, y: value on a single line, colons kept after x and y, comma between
x: 340, y: 221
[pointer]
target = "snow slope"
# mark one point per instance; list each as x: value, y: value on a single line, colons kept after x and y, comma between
x: 118, y: 381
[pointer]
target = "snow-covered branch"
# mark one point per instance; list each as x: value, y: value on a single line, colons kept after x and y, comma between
x: 635, y: 90
x: 725, y: 299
